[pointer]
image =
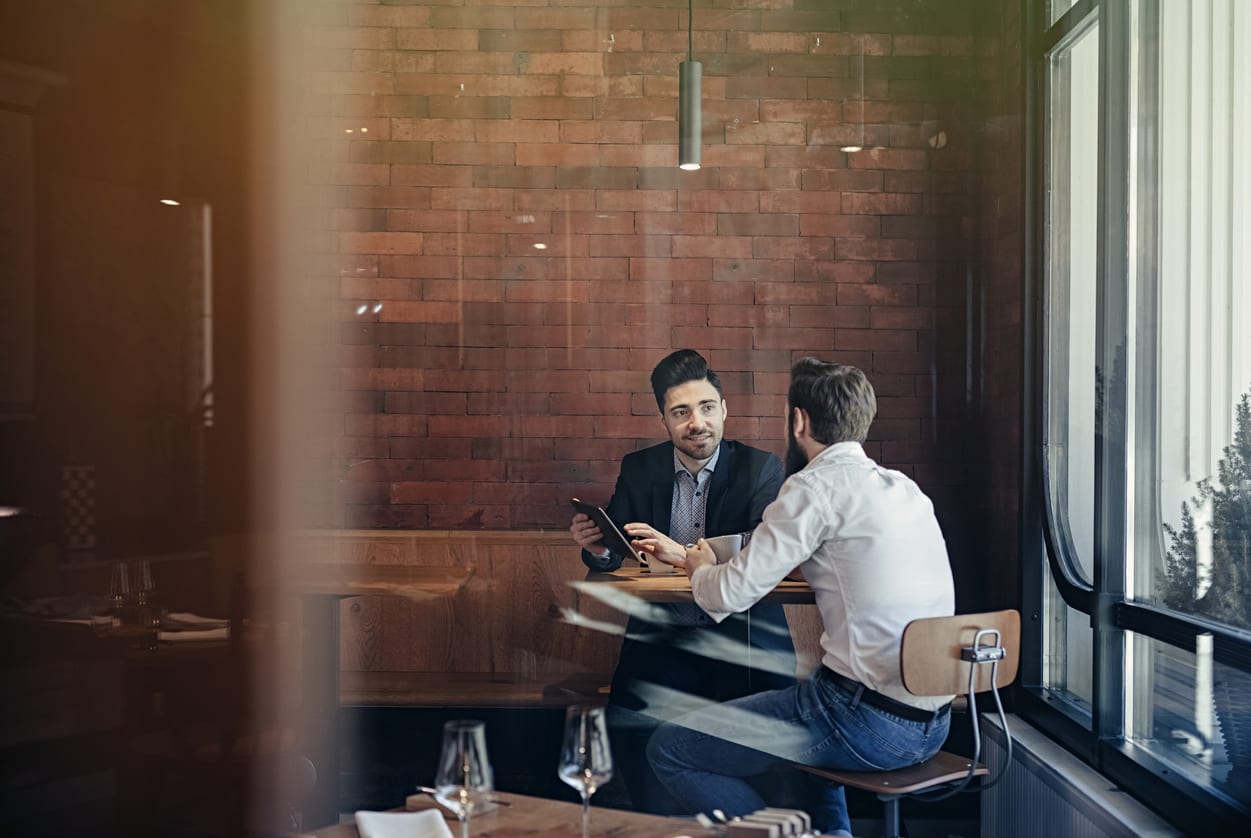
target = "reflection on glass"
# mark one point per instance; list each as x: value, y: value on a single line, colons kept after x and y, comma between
x: 1075, y: 383
x: 1193, y: 714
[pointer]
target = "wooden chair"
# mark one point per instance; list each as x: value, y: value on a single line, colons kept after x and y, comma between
x: 962, y: 655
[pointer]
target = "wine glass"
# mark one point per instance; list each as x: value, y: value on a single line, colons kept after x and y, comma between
x: 585, y: 759
x: 464, y: 778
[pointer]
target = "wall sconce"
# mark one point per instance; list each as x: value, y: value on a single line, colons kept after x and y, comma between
x: 690, y: 118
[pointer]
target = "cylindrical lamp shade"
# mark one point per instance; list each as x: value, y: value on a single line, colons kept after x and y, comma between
x: 690, y: 122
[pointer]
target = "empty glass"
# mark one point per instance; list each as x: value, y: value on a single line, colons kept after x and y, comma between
x: 585, y: 759
x: 464, y: 780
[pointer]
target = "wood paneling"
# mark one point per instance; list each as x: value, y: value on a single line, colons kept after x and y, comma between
x: 517, y: 618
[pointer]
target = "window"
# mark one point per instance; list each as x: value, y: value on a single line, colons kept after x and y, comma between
x: 1143, y: 574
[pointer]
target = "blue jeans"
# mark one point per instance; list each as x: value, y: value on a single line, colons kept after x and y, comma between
x: 703, y: 757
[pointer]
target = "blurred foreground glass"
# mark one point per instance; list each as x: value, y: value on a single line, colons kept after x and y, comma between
x: 464, y: 780
x: 585, y: 760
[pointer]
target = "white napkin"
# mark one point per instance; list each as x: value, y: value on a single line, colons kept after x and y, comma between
x: 184, y: 636
x: 428, y: 823
x: 188, y: 620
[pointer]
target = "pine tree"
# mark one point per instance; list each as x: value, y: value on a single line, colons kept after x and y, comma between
x: 1228, y: 596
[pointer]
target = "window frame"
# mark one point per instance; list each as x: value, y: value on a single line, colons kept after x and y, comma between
x: 1098, y: 739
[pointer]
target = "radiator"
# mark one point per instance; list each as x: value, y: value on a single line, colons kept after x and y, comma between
x: 1050, y: 793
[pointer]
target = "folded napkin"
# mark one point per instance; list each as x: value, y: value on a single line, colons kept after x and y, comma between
x: 186, y: 620
x: 425, y: 824
x: 190, y: 635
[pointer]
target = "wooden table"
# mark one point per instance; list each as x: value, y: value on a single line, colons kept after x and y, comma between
x: 322, y: 586
x: 661, y: 585
x: 526, y: 816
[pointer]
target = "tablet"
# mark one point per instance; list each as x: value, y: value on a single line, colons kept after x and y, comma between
x: 611, y: 536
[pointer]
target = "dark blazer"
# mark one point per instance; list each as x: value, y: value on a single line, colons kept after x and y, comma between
x: 745, y: 481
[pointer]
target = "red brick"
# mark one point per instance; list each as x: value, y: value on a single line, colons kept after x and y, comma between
x: 875, y: 249
x: 705, y: 200
x: 406, y: 197
x: 475, y: 154
x: 758, y: 179
x: 508, y: 404
x: 414, y: 16
x: 812, y: 224
x: 368, y: 288
x: 469, y: 17
x: 748, y: 315
x: 797, y: 247
x: 544, y: 18
x: 885, y: 203
x: 380, y: 242
x: 890, y: 158
x: 795, y: 293
x: 471, y: 199
x: 521, y: 448
x: 692, y: 292
x: 421, y: 448
x: 469, y: 517
x: 785, y: 337
x: 899, y: 317
x: 751, y: 270
x: 592, y: 223
x: 735, y: 224
x: 574, y: 131
x: 712, y: 246
x: 433, y: 130
x: 876, y: 340
x: 631, y: 246
x: 842, y: 180
x: 877, y: 295
x: 654, y: 201
x: 674, y: 223
x: 350, y: 37
x: 853, y: 317
x: 765, y: 134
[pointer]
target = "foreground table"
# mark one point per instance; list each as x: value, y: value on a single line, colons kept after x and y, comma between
x: 322, y: 586
x: 663, y: 585
x: 532, y: 816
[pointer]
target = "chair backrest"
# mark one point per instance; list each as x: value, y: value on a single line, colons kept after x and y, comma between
x: 932, y: 658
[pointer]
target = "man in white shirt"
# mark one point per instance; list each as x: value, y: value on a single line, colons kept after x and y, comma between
x: 866, y: 539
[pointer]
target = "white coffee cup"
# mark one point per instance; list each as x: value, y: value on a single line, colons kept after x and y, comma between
x: 725, y: 547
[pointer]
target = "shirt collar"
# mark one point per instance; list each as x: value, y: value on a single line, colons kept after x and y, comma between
x: 709, y: 467
x: 841, y: 451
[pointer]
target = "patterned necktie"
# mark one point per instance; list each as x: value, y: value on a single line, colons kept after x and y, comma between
x: 686, y: 526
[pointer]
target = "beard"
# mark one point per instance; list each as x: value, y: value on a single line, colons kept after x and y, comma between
x: 796, y: 459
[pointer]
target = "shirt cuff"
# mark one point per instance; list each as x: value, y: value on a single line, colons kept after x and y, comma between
x: 699, y: 573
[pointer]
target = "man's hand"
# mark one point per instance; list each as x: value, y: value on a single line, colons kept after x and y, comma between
x: 648, y: 539
x: 698, y: 556
x: 587, y: 534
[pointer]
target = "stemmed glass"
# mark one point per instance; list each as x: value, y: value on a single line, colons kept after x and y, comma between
x: 464, y: 780
x: 585, y: 759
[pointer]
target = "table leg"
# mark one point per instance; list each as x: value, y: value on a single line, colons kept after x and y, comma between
x: 320, y: 703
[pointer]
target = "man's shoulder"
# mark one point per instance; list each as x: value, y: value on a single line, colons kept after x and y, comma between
x: 746, y: 456
x: 661, y: 452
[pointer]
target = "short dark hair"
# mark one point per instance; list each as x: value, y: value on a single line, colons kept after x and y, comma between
x: 838, y: 399
x: 678, y: 368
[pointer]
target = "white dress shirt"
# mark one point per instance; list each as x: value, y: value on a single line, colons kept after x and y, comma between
x: 870, y: 547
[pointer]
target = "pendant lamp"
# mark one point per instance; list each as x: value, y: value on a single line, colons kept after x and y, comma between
x: 690, y: 79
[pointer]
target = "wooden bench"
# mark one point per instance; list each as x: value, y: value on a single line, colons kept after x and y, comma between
x: 505, y: 640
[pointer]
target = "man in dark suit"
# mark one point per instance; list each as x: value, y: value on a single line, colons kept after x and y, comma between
x: 674, y: 657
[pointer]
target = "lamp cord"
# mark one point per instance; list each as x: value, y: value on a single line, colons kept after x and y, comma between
x: 690, y: 30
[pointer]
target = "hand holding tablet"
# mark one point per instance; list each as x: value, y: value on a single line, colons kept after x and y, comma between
x: 610, y: 533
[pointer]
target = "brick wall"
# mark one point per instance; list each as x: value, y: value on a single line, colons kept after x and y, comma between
x: 482, y: 381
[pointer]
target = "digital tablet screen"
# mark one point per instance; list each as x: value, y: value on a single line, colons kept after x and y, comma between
x: 613, y: 538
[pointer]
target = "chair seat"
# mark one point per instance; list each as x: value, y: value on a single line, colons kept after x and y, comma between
x: 939, y: 769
